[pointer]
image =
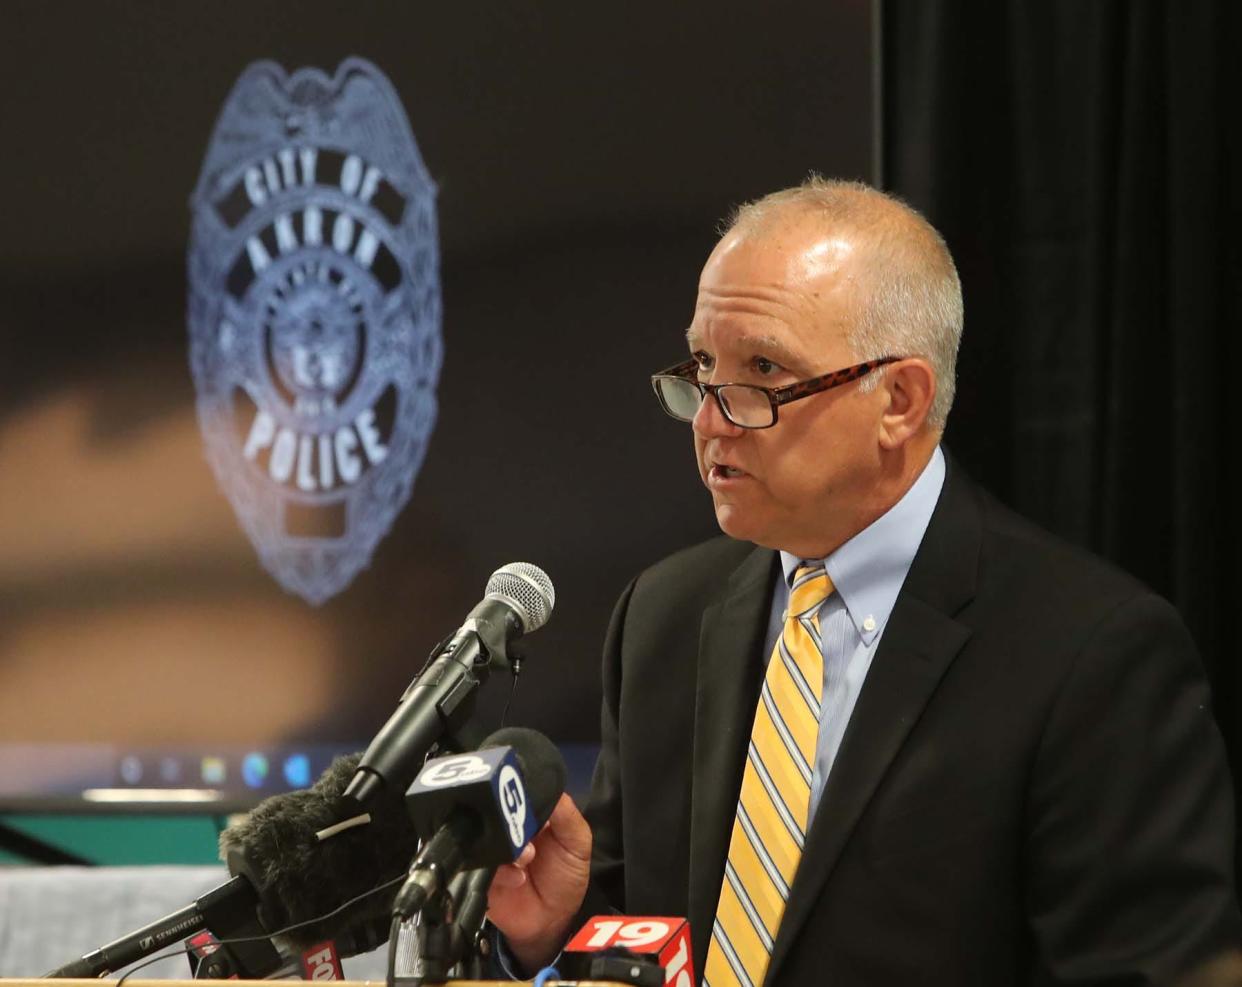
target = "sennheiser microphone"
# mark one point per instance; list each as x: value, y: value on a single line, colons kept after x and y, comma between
x: 228, y: 910
x: 284, y: 873
x: 479, y: 809
x: 301, y: 870
x: 438, y: 702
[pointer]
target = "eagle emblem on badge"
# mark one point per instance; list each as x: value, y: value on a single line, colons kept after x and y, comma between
x: 314, y: 316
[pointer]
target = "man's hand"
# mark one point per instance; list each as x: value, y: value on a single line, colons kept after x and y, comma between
x: 533, y: 900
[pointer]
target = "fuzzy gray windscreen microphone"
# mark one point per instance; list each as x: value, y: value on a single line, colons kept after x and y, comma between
x: 298, y: 877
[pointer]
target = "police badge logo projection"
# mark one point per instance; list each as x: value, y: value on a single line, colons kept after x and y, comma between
x: 314, y: 316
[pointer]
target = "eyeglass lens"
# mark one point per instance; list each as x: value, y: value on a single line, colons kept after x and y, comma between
x: 681, y: 398
x: 746, y: 406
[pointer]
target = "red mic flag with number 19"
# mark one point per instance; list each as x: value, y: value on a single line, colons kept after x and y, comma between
x: 666, y: 940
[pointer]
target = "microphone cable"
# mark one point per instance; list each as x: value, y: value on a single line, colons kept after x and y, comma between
x: 515, y: 669
x: 390, y: 972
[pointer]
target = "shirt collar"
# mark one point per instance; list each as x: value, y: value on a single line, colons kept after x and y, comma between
x: 869, y: 569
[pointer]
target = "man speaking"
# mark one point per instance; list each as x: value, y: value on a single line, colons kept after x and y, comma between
x: 885, y: 732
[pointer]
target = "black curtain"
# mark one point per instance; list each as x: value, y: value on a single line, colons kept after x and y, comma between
x: 1082, y: 161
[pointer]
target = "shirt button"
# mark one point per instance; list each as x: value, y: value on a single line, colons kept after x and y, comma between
x: 869, y: 624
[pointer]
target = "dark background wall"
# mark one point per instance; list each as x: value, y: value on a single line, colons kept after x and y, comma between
x: 584, y: 155
x: 1083, y: 164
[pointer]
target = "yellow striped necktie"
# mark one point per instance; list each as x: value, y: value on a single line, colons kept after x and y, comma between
x: 770, y: 827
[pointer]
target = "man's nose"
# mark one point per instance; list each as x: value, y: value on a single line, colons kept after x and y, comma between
x: 710, y: 421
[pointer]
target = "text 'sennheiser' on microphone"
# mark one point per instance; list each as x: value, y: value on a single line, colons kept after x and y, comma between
x: 479, y: 809
x: 518, y: 600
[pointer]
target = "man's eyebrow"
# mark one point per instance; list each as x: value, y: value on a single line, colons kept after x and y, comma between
x: 758, y: 343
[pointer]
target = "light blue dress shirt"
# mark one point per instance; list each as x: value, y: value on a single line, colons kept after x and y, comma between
x: 868, y: 572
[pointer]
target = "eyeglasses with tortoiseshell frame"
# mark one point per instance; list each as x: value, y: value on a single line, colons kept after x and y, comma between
x: 746, y: 405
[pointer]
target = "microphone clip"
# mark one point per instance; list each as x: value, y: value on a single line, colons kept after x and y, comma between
x: 438, y: 943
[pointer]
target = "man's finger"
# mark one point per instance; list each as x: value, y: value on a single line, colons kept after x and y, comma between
x: 570, y: 829
x: 508, y: 877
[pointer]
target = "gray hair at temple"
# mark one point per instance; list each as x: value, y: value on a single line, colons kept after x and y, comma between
x: 912, y: 302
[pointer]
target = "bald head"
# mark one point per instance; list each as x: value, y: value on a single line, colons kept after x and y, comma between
x: 906, y: 297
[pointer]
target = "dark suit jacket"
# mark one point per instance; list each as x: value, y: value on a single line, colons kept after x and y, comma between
x: 1031, y: 789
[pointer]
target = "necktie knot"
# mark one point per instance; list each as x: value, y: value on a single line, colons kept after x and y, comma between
x: 811, y: 587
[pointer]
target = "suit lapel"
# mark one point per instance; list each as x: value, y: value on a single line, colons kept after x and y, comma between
x: 729, y: 667
x: 920, y: 642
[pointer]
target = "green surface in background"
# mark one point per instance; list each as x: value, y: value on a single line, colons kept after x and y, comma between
x: 117, y: 840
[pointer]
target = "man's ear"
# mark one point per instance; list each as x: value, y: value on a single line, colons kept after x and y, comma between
x: 910, y: 386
